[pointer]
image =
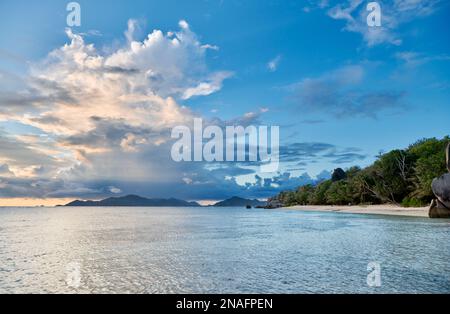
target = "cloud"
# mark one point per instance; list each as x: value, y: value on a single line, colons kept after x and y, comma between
x: 138, y: 84
x: 393, y: 15
x: 115, y: 190
x: 324, y: 175
x: 413, y: 59
x: 131, y: 142
x: 312, y: 121
x: 213, y: 85
x: 173, y: 64
x: 132, y: 27
x: 5, y: 172
x: 273, y: 64
x: 343, y: 93
x: 24, y: 158
x: 302, y: 153
x: 103, y: 120
x: 212, y: 47
x: 314, y: 4
x: 183, y: 24
x: 100, y: 124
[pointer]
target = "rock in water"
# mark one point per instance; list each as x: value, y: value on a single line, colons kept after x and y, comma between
x: 441, y: 188
x: 440, y: 208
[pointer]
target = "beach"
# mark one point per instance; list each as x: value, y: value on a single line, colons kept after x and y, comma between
x: 384, y: 209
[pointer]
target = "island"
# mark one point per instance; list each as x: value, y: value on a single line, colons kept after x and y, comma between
x: 236, y: 201
x: 134, y: 201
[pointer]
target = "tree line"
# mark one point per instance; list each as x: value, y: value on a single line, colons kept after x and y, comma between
x: 400, y: 177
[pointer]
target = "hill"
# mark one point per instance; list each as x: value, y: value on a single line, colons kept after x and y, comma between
x: 239, y: 202
x: 134, y: 201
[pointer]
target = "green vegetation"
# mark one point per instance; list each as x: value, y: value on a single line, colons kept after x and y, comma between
x: 401, y: 177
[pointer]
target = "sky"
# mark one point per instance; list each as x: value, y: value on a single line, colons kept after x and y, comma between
x: 86, y: 112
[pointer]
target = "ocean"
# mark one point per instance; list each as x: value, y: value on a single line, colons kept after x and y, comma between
x: 219, y: 250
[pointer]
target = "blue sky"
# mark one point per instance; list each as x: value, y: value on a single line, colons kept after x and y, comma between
x: 312, y: 67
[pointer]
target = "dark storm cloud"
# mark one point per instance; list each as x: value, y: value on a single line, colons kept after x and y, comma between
x: 4, y: 170
x: 35, y: 93
x: 21, y: 154
x: 304, y: 153
x: 108, y: 133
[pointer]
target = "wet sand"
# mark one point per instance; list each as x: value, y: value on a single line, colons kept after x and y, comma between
x: 385, y: 209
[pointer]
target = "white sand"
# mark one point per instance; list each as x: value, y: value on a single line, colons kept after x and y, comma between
x: 385, y: 209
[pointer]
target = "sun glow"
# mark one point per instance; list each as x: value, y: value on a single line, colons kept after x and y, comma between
x: 31, y: 202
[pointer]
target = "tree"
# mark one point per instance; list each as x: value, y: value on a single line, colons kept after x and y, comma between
x: 338, y: 193
x: 429, y: 156
x: 399, y: 177
x: 303, y: 194
x: 352, y: 172
x: 338, y: 174
x: 318, y: 196
x: 391, y: 176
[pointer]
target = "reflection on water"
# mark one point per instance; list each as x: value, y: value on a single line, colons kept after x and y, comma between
x: 217, y: 250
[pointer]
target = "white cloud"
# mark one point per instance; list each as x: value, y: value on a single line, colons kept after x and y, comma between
x: 213, y: 85
x: 132, y: 26
x: 273, y: 64
x: 115, y: 190
x: 183, y: 24
x: 212, y: 47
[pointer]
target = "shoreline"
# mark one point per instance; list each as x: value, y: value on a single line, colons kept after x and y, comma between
x: 385, y: 209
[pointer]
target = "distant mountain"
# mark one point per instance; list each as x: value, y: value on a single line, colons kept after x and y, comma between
x: 239, y: 202
x: 136, y: 201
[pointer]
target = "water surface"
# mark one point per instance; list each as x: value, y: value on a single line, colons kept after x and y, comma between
x: 218, y: 250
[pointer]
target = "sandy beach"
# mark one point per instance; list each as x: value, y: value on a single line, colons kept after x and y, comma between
x: 386, y: 209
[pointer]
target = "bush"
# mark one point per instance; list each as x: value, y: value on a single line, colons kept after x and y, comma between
x: 413, y: 202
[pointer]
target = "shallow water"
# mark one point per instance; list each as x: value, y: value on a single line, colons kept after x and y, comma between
x: 218, y: 250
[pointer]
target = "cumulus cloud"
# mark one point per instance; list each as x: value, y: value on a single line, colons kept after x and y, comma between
x: 101, y: 123
x: 138, y: 84
x: 104, y: 117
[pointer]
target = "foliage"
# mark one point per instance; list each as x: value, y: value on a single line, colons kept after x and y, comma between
x: 338, y: 175
x: 429, y: 163
x: 398, y: 177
